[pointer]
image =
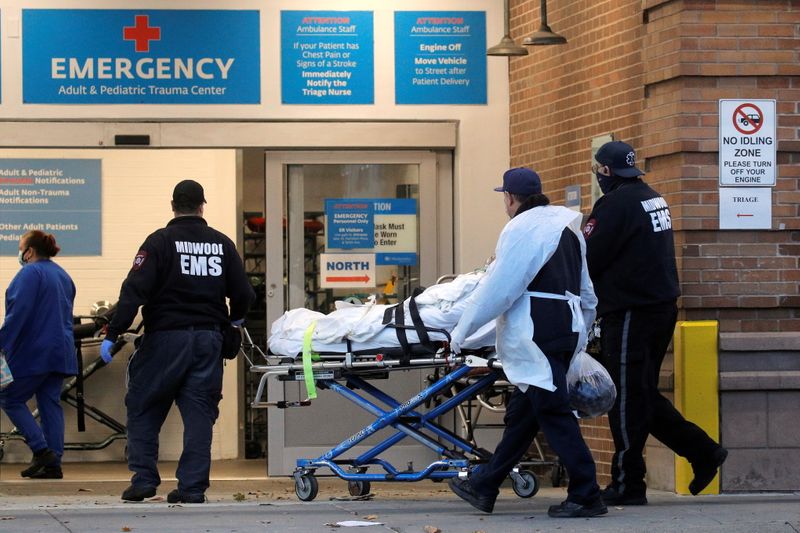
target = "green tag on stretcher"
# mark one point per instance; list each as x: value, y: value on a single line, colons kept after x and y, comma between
x: 308, y: 357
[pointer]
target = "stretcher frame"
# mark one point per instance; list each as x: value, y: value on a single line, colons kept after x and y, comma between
x: 458, y: 455
x: 87, y: 335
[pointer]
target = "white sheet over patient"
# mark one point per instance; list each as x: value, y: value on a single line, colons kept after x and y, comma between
x: 440, y: 306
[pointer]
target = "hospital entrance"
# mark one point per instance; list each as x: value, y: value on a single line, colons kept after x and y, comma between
x: 280, y: 207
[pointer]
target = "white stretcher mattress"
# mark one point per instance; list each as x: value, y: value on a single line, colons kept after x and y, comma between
x: 440, y: 306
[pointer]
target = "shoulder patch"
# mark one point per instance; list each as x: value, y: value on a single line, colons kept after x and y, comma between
x: 589, y: 227
x: 139, y: 260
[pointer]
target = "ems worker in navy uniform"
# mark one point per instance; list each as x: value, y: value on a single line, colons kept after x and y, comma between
x: 539, y: 290
x: 181, y: 277
x: 631, y: 257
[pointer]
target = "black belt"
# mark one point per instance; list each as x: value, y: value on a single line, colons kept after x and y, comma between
x: 208, y: 327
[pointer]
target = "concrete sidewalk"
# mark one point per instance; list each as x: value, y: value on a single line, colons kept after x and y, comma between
x: 242, y: 499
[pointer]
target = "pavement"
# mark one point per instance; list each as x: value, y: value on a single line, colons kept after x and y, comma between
x: 242, y: 499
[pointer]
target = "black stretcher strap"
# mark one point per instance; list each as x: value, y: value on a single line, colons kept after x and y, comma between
x: 81, y: 404
x: 396, y: 315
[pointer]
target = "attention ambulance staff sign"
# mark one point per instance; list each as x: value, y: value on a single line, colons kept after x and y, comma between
x: 747, y: 143
x: 94, y: 56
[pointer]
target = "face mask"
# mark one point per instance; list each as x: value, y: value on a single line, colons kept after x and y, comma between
x: 607, y: 183
x: 22, y: 261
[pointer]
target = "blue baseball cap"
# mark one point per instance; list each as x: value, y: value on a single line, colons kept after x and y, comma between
x: 620, y: 157
x: 522, y: 181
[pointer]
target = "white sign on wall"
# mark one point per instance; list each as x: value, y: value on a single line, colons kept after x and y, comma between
x: 346, y: 270
x: 747, y: 143
x: 745, y: 208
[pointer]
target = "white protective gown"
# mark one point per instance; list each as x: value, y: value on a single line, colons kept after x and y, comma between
x: 526, y: 243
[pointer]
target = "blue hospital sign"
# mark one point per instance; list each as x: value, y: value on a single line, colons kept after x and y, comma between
x: 327, y: 57
x: 94, y: 56
x: 440, y: 57
x: 58, y: 196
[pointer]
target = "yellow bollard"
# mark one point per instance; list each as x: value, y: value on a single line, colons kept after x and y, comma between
x: 696, y: 388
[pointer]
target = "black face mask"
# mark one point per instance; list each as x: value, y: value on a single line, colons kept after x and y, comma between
x: 607, y: 183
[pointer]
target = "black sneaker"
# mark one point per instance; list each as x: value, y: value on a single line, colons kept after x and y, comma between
x: 612, y: 496
x: 568, y: 509
x: 176, y: 496
x: 464, y: 490
x: 137, y: 494
x: 49, y: 472
x: 704, y: 474
x: 41, y: 460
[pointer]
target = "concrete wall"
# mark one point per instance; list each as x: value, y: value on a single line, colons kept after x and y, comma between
x: 759, y: 401
x: 136, y: 191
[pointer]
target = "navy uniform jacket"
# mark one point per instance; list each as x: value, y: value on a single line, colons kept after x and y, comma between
x: 37, y: 331
x: 630, y: 249
x: 182, y: 275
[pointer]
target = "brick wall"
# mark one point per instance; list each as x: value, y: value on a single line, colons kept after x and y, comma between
x: 651, y: 72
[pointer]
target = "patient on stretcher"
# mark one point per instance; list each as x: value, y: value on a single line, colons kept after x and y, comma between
x: 368, y: 326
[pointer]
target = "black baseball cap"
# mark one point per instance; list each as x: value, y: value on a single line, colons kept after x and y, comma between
x: 188, y: 192
x: 620, y: 157
x: 522, y: 181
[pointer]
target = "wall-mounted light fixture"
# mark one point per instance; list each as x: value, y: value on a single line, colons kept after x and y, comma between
x: 544, y: 35
x: 506, y: 46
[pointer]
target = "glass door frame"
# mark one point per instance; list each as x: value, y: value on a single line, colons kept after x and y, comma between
x: 436, y: 225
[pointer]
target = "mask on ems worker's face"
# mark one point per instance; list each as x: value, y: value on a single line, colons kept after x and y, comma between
x: 20, y: 257
x: 607, y: 183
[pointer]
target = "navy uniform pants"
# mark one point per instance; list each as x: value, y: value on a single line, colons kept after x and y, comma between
x: 182, y: 367
x: 47, y: 389
x: 526, y: 413
x: 633, y: 344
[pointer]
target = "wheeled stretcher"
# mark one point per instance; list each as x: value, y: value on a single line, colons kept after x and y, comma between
x: 348, y: 373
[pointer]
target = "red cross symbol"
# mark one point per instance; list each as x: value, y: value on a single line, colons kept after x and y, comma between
x: 142, y: 33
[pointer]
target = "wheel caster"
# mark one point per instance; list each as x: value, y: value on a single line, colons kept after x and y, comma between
x: 306, y: 487
x: 525, y: 483
x: 358, y: 488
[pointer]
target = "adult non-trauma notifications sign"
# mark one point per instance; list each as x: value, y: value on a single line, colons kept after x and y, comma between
x: 98, y: 56
x: 327, y: 57
x: 747, y: 143
x: 440, y: 57
x: 58, y: 196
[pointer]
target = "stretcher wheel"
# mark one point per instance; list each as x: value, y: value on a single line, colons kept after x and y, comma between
x: 358, y: 488
x: 306, y: 487
x: 525, y: 484
x: 557, y: 474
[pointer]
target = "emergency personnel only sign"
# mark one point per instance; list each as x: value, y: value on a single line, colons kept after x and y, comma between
x: 747, y: 143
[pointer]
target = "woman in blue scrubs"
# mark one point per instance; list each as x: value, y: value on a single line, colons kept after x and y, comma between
x: 37, y: 339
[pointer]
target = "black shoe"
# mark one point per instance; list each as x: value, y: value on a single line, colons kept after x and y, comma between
x: 176, y: 496
x: 137, y: 494
x: 49, y: 472
x: 704, y: 474
x: 464, y: 490
x: 612, y: 496
x: 568, y: 509
x: 41, y: 460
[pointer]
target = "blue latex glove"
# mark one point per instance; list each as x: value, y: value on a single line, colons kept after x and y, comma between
x: 237, y: 323
x: 105, y: 351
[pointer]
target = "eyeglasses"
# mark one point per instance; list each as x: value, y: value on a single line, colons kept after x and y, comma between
x: 597, y: 167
